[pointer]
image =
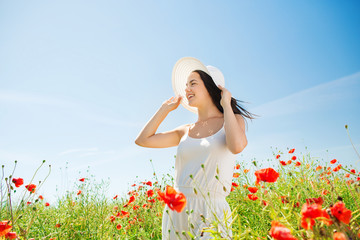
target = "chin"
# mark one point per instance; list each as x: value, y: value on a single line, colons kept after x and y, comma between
x: 191, y: 105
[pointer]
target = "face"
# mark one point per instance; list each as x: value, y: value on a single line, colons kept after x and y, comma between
x: 195, y: 87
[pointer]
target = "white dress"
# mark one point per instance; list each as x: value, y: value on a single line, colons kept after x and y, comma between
x: 207, y: 165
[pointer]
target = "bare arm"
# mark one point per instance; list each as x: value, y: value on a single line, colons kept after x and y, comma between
x: 235, y: 130
x: 147, y: 136
x: 234, y: 124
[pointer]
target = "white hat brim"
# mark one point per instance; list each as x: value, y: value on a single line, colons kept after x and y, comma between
x: 181, y: 71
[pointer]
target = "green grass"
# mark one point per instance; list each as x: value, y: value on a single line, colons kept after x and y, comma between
x: 88, y: 215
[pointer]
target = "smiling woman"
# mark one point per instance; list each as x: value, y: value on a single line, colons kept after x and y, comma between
x: 206, y: 149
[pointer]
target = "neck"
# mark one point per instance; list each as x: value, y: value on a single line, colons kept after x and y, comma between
x: 210, y: 114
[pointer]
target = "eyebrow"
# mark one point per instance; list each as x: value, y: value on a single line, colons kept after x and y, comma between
x: 190, y: 81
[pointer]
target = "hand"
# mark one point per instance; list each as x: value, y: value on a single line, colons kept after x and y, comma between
x: 225, y: 96
x: 172, y: 103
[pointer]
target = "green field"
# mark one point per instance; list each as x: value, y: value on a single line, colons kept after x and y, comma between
x: 87, y: 214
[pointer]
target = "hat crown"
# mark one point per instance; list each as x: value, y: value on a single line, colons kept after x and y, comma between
x: 216, y: 75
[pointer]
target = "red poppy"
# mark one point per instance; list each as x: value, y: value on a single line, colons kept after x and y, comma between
x: 298, y: 164
x: 123, y: 214
x: 112, y: 218
x: 341, y: 212
x: 288, y: 162
x: 297, y: 204
x: 115, y: 197
x: 310, y: 212
x: 318, y: 200
x: 348, y: 182
x: 280, y: 232
x: 337, y: 168
x: 41, y: 197
x: 31, y: 187
x: 11, y: 235
x: 47, y: 204
x: 333, y: 161
x: 266, y: 175
x: 175, y: 200
x: 132, y: 199
x: 79, y: 192
x: 284, y: 199
x: 264, y: 203
x: 246, y: 171
x: 118, y: 227
x: 283, y: 163
x: 277, y: 156
x: 5, y: 227
x: 237, y: 166
x: 353, y: 171
x: 318, y: 168
x: 18, y: 181
x: 324, y: 192
x: 234, y: 184
x: 57, y: 225
x: 326, y: 218
x: 293, y: 158
x: 292, y: 150
x: 252, y: 197
x: 82, y: 179
x: 148, y: 183
x: 347, y: 175
x: 236, y: 175
x: 136, y: 207
x: 339, y: 236
x: 253, y: 189
x: 150, y: 192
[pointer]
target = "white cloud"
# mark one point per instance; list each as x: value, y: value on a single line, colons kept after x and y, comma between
x: 7, y: 97
x: 310, y: 98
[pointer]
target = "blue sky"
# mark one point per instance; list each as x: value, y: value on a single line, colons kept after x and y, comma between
x: 80, y: 79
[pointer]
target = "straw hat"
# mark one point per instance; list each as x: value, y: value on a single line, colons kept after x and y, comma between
x: 181, y: 71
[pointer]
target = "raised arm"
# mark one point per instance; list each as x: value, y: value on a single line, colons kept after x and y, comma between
x: 147, y: 136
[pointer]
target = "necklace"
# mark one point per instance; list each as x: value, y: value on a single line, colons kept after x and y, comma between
x: 205, y: 122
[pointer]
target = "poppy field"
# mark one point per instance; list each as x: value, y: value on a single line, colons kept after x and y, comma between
x: 297, y: 198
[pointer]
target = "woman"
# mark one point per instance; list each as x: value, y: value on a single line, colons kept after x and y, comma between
x: 206, y: 149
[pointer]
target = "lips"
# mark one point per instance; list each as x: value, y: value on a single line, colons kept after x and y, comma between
x: 190, y: 96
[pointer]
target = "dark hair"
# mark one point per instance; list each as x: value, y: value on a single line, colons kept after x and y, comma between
x: 215, y: 94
